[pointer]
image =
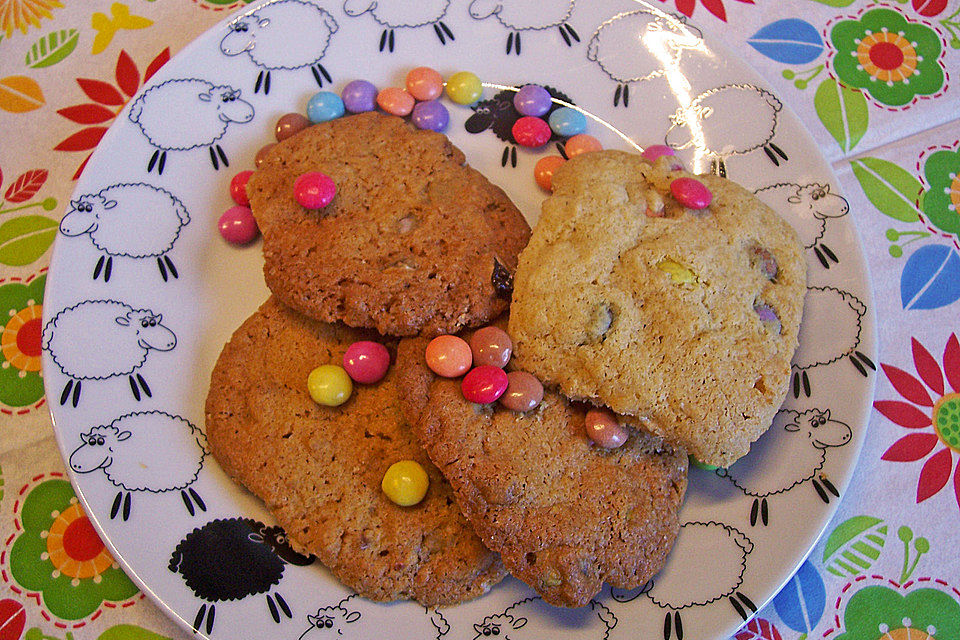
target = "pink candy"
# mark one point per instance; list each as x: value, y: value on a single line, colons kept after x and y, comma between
x: 484, y: 384
x: 691, y: 193
x: 238, y: 188
x: 237, y: 225
x: 654, y: 151
x: 529, y: 131
x: 366, y: 362
x: 492, y: 346
x: 603, y: 428
x: 314, y: 190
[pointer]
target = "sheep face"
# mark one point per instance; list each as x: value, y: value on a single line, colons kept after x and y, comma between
x: 332, y: 620
x: 83, y: 214
x: 822, y: 431
x: 820, y: 201
x: 242, y: 35
x: 151, y: 334
x: 276, y: 537
x: 230, y: 108
x: 498, y: 626
x: 485, y: 114
x: 95, y: 452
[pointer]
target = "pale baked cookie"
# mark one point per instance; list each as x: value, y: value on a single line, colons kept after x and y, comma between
x: 318, y: 469
x: 408, y: 244
x: 686, y: 319
x: 565, y: 515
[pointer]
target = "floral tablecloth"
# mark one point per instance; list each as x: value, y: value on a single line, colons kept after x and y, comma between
x: 876, y: 85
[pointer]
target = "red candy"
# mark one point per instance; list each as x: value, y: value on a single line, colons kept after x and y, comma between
x: 237, y: 225
x: 691, y: 193
x: 366, y: 362
x: 530, y: 131
x: 238, y: 188
x: 603, y: 428
x: 484, y: 384
x: 314, y: 190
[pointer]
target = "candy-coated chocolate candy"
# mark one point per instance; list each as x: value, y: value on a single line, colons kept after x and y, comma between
x: 529, y: 131
x: 238, y: 188
x: 329, y: 385
x: 464, y: 87
x: 603, y: 428
x: 484, y: 384
x: 691, y: 193
x: 491, y: 346
x: 366, y: 362
x: 290, y: 124
x: 544, y: 169
x: 324, y: 106
x: 237, y: 225
x: 262, y: 153
x: 532, y: 100
x: 701, y: 465
x: 567, y: 122
x: 424, y: 83
x: 359, y: 96
x: 405, y: 483
x: 395, y: 101
x: 430, y: 115
x: 654, y: 151
x: 581, y: 143
x: 524, y: 392
x: 449, y: 356
x: 314, y: 190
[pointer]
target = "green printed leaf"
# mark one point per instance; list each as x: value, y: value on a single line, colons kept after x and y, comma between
x: 130, y: 632
x: 892, y: 190
x: 843, y: 111
x: 854, y: 546
x: 24, y: 239
x: 52, y: 48
x: 836, y: 3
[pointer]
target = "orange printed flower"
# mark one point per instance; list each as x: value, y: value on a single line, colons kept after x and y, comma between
x: 20, y: 14
x: 20, y: 340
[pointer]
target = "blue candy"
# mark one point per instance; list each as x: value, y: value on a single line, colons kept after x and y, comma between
x: 324, y: 106
x: 567, y: 122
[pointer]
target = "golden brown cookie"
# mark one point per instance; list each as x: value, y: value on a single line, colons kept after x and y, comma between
x: 565, y: 515
x: 318, y: 469
x: 408, y: 244
x: 686, y: 319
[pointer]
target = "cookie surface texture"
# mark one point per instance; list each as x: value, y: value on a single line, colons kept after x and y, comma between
x: 686, y: 319
x: 565, y: 515
x: 408, y: 244
x: 318, y: 469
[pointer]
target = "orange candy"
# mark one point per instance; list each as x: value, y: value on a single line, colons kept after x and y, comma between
x: 424, y: 83
x: 581, y: 143
x: 449, y: 356
x: 395, y: 101
x: 544, y: 169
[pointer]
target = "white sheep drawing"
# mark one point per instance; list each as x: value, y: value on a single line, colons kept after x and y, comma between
x: 522, y: 15
x: 354, y: 617
x: 807, y: 208
x: 734, y: 119
x: 592, y: 622
x: 129, y: 220
x: 831, y: 330
x: 152, y: 452
x: 285, y: 35
x: 102, y: 339
x: 716, y: 553
x: 640, y: 45
x: 185, y: 114
x: 798, y: 441
x: 403, y: 14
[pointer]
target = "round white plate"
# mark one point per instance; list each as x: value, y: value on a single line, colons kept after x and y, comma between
x: 644, y: 76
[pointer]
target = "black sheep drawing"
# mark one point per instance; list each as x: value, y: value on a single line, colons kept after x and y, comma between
x: 499, y: 114
x: 230, y: 559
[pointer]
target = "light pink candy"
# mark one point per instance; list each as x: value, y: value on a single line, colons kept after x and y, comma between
x: 603, y: 428
x: 691, y: 193
x: 237, y: 225
x: 654, y: 151
x: 314, y: 190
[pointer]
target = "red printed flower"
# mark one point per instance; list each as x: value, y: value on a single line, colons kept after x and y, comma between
x: 108, y: 101
x: 715, y: 7
x: 934, y: 419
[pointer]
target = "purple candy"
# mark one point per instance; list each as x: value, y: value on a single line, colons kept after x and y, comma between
x: 768, y: 316
x: 430, y: 115
x: 359, y: 96
x: 654, y: 151
x: 532, y: 100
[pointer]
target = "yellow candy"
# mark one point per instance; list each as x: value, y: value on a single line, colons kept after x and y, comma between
x: 405, y: 483
x: 329, y: 385
x: 679, y: 273
x: 464, y: 87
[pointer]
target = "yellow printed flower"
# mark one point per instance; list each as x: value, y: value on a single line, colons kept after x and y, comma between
x: 19, y: 14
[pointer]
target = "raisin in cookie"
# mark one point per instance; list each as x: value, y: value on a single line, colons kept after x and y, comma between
x: 408, y: 244
x: 686, y: 319
x: 318, y: 469
x: 565, y: 515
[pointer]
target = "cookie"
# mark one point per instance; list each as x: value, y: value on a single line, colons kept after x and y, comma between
x: 565, y: 515
x: 409, y: 243
x: 318, y: 469
x: 686, y: 319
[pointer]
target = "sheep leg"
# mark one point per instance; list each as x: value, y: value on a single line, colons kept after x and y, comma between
x: 324, y: 72
x: 273, y: 609
x: 830, y: 254
x: 99, y: 267
x: 143, y: 385
x: 571, y: 31
x: 213, y: 159
x: 258, y: 83
x: 390, y: 41
x: 739, y: 608
x: 76, y: 395
x: 446, y: 30
x: 436, y: 30
x: 163, y: 163
x: 562, y: 151
x: 864, y: 359
x: 564, y: 35
x: 187, y: 503
x: 163, y: 269
x: 126, y: 507
x: 171, y: 267
x: 770, y: 154
x: 223, y: 156
x: 108, y: 270
x: 197, y: 499
x: 829, y: 485
x: 266, y: 84
x: 383, y: 40
x: 822, y: 258
x: 763, y: 511
x: 65, y: 394
x: 509, y: 42
x: 153, y: 160
x: 820, y: 491
x: 748, y: 603
x: 859, y: 366
x: 667, y: 626
x: 754, y: 510
x: 198, y: 620
x: 778, y: 150
x: 513, y: 157
x: 133, y: 388
x: 806, y: 383
x: 115, y: 509
x: 626, y: 95
x: 284, y: 607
